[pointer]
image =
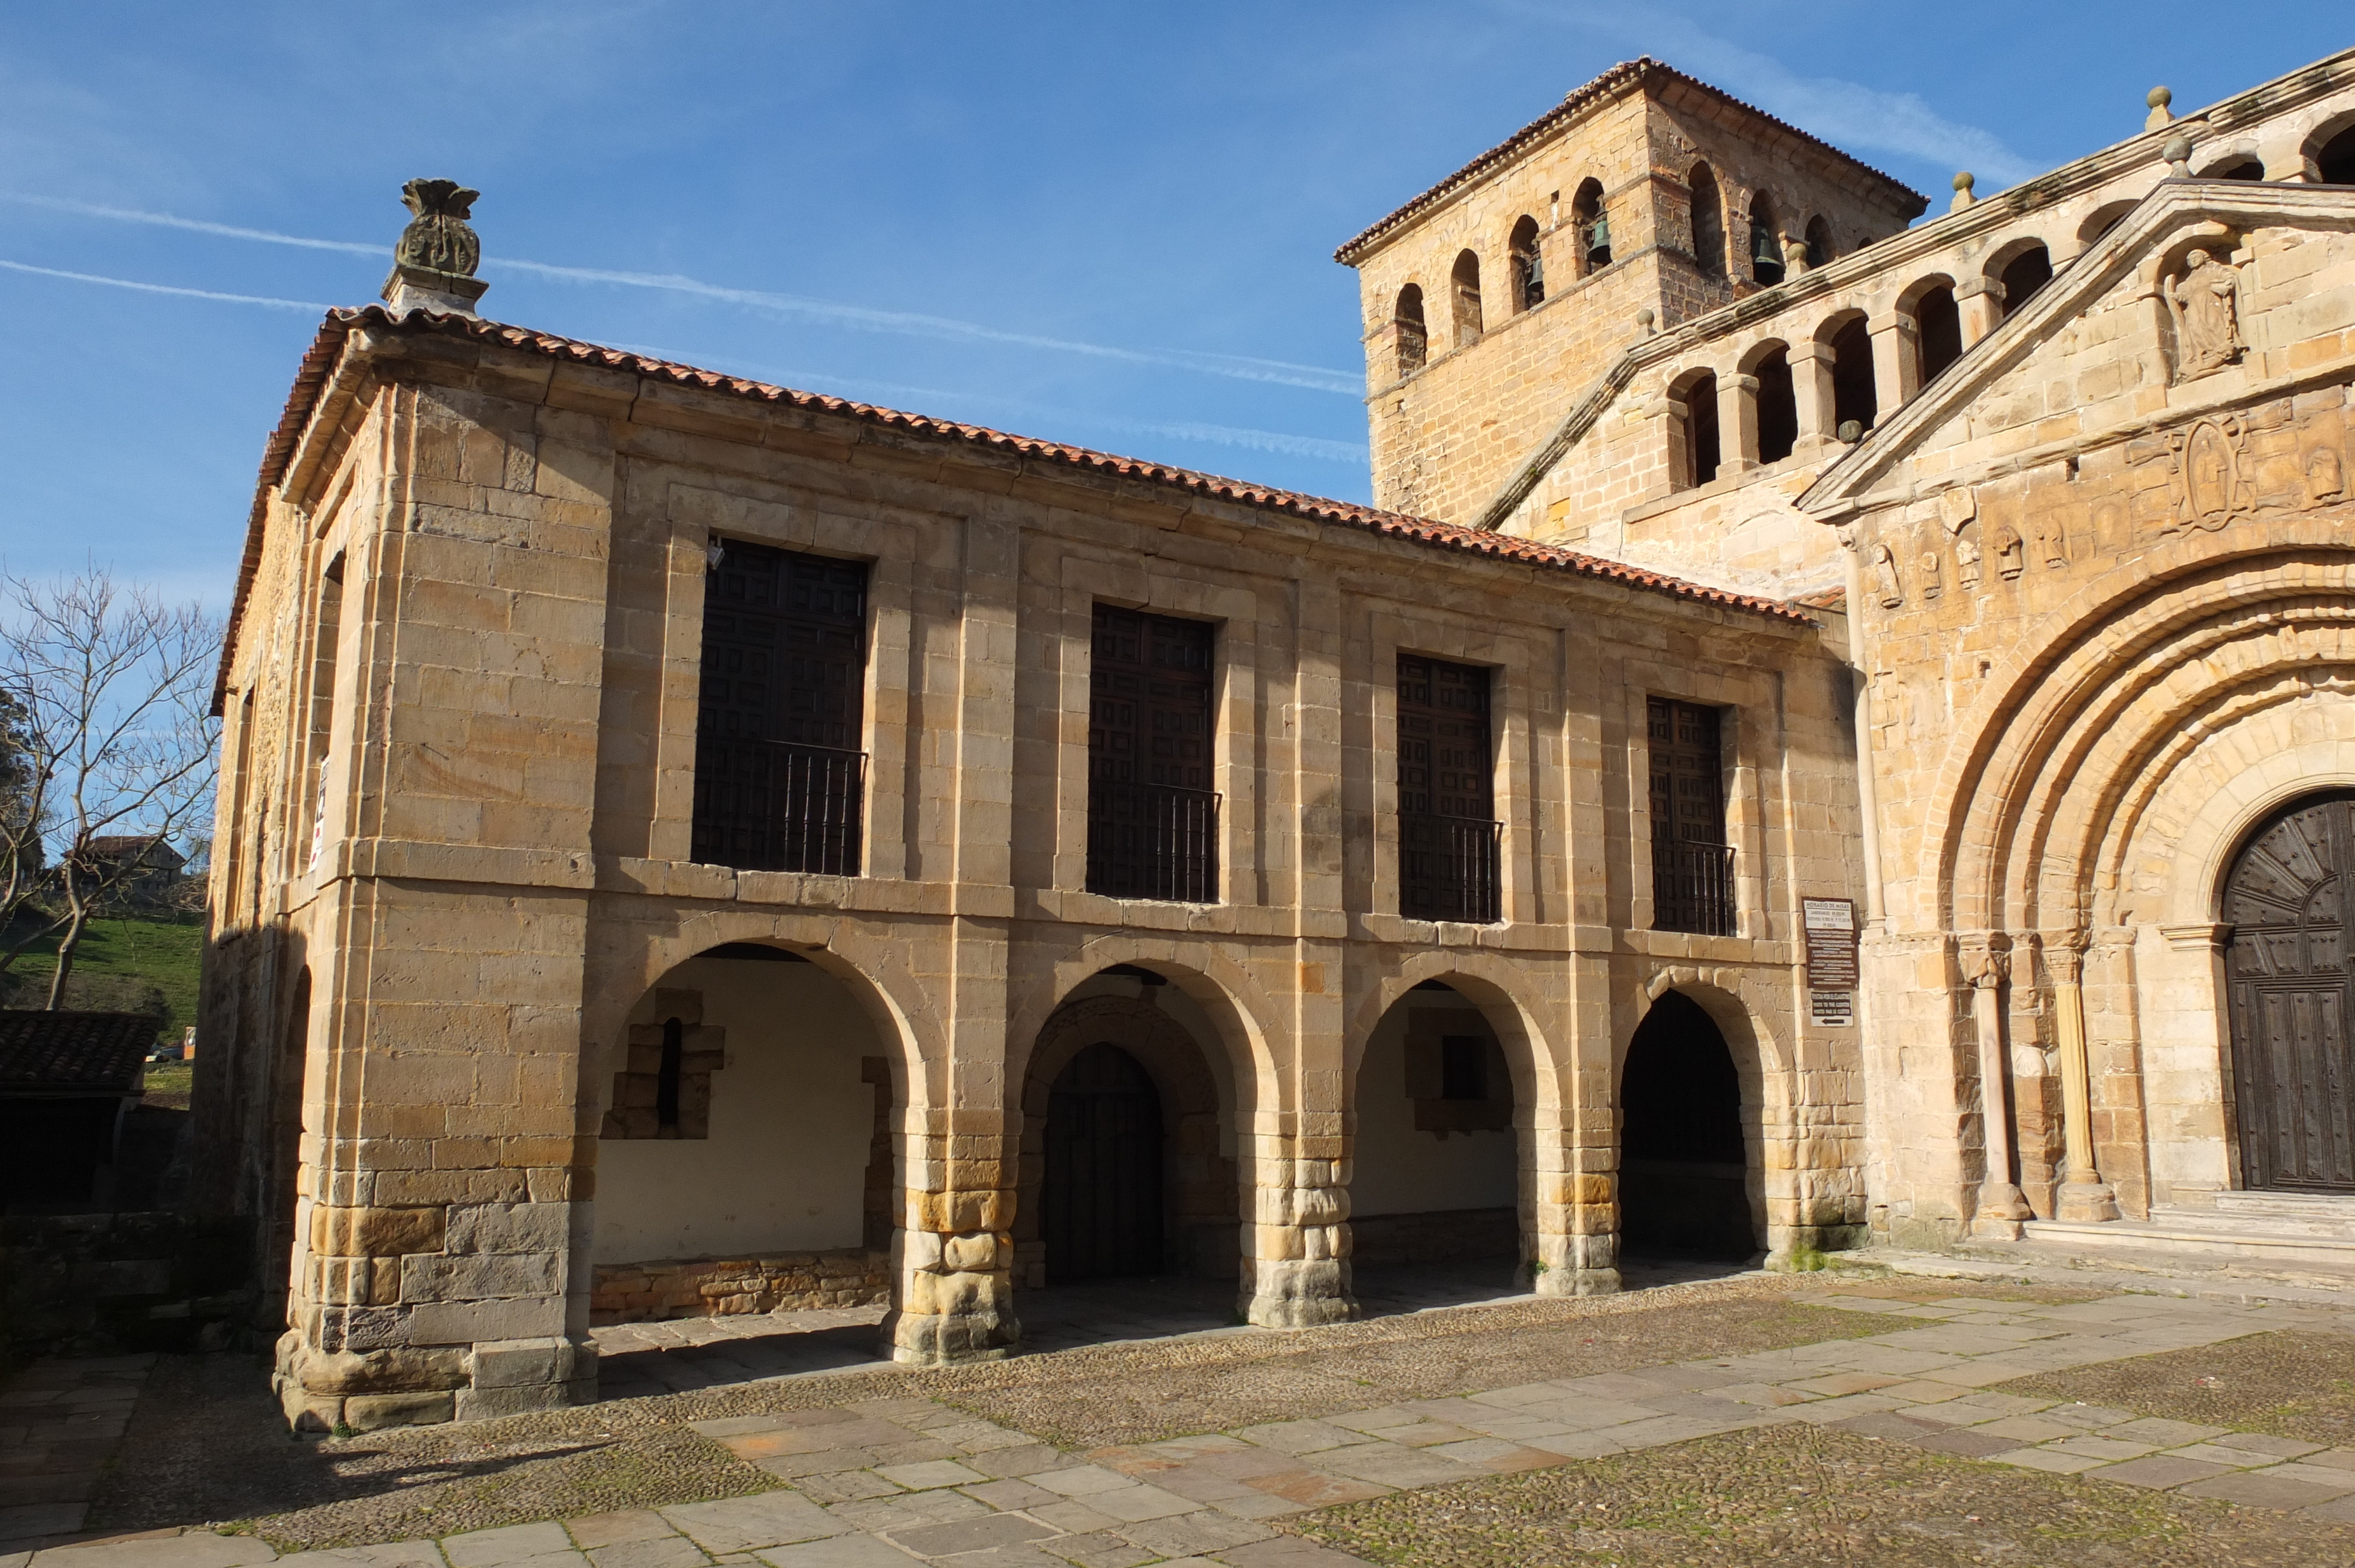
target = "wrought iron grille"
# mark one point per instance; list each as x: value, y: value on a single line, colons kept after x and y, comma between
x: 1449, y: 868
x: 1153, y: 840
x: 1692, y: 886
x: 772, y: 805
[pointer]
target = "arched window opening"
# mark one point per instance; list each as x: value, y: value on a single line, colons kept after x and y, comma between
x: 1765, y: 243
x: 2023, y: 275
x: 668, y: 1076
x: 1683, y: 1149
x: 2101, y: 220
x: 1819, y: 241
x: 2334, y: 163
x: 1413, y: 338
x: 1696, y: 464
x: 1855, y: 397
x: 1593, y: 225
x: 2239, y: 166
x: 1708, y: 223
x: 1937, y: 332
x: 1466, y: 281
x: 1529, y: 265
x: 1778, y: 406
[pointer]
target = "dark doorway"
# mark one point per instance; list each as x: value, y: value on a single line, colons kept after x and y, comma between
x: 1938, y: 325
x: 1778, y: 407
x: 1101, y: 1203
x: 2286, y: 977
x: 1856, y: 399
x: 1684, y: 1172
x: 2335, y: 162
x: 2026, y: 273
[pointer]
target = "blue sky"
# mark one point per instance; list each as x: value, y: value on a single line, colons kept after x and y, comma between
x: 1104, y: 224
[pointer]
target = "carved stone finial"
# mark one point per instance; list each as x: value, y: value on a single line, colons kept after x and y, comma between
x: 1644, y: 320
x: 2159, y: 100
x: 1850, y: 432
x: 1963, y: 196
x: 434, y: 263
x: 2178, y: 153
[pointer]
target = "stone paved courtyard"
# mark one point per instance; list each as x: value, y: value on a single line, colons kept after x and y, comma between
x: 1814, y: 1419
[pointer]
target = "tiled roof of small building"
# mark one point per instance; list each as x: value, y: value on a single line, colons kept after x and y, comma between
x: 319, y: 361
x: 48, y: 1052
x: 1575, y: 103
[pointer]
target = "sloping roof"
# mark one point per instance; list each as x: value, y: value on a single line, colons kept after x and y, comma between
x: 54, y: 1052
x: 133, y: 843
x: 1627, y: 73
x: 319, y: 361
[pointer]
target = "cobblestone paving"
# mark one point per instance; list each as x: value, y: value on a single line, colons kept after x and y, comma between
x: 909, y: 1475
x: 59, y: 1422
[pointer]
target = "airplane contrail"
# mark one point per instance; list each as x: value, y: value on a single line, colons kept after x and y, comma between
x: 168, y: 289
x: 1241, y: 367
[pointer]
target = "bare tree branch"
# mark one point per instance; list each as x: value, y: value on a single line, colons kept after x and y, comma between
x: 104, y: 734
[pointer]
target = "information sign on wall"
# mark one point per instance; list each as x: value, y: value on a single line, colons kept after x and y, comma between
x: 1831, y: 927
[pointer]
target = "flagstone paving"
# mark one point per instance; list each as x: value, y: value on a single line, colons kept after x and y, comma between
x: 895, y: 1479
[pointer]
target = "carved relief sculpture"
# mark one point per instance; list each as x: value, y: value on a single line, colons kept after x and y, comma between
x: 2010, y: 553
x: 1966, y: 562
x: 1884, y: 574
x: 2204, y: 303
x: 1928, y: 567
x: 2210, y: 480
x: 2326, y: 477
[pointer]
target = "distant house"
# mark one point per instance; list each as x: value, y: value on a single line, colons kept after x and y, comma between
x: 140, y: 868
x: 66, y: 1081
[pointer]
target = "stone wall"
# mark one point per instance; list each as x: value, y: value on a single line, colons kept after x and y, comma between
x: 718, y: 1288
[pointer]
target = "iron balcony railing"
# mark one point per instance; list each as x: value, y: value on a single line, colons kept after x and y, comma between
x: 1153, y: 840
x: 1692, y: 886
x: 776, y: 805
x: 1450, y: 868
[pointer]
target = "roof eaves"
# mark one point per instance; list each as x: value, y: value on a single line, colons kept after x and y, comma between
x: 1572, y: 106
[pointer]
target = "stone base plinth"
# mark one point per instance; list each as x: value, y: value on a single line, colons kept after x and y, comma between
x: 721, y: 1287
x: 1302, y: 1292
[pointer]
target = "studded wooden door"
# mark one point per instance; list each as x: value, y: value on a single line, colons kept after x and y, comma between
x: 2287, y: 977
x: 1099, y: 1209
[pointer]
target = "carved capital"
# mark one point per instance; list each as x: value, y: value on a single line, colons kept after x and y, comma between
x: 2064, y: 955
x: 1986, y: 959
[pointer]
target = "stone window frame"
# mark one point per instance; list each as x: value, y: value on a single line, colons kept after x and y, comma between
x: 891, y: 548
x: 1745, y: 731
x: 1426, y: 1027
x: 630, y: 1108
x: 1230, y: 601
x: 1512, y: 658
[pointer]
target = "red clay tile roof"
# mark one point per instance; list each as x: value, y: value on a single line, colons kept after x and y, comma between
x: 52, y: 1052
x: 320, y: 360
x: 1577, y: 102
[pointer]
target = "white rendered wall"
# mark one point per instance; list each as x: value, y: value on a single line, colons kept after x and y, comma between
x: 1402, y: 1171
x: 785, y: 1168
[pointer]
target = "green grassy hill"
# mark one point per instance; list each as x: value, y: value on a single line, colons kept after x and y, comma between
x: 125, y: 965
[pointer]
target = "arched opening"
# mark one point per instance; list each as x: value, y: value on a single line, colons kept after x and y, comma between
x: 2286, y: 899
x: 1684, y: 1162
x: 1765, y: 241
x: 1414, y: 337
x: 1129, y: 1158
x: 1856, y: 398
x: 1819, y: 241
x: 1937, y: 329
x: 1435, y: 1174
x: 745, y: 1164
x: 1591, y: 224
x: 2239, y: 166
x: 2334, y: 160
x: 2101, y: 220
x: 1528, y: 264
x: 1465, y: 280
x: 1694, y: 454
x: 1778, y: 405
x: 2023, y: 275
x: 1707, y: 222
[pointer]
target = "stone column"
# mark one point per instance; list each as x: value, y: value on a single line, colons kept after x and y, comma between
x: 1296, y: 1254
x: 1896, y: 362
x: 1987, y: 963
x: 2084, y: 1194
x: 1980, y: 301
x: 1812, y: 387
x: 952, y: 1255
x: 1737, y: 423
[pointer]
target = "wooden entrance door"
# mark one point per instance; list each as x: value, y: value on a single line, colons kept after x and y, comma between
x: 2286, y: 977
x: 1099, y: 1209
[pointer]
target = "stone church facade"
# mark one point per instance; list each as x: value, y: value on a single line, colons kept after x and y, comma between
x: 689, y: 846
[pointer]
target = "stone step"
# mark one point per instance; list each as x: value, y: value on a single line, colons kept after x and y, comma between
x: 2336, y: 1208
x: 2207, y: 1241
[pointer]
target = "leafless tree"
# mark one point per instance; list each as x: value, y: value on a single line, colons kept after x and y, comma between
x: 105, y: 733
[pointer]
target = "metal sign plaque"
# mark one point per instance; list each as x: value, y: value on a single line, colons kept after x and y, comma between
x: 1832, y: 1009
x: 1830, y: 925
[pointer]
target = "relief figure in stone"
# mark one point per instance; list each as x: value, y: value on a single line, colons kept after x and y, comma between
x: 1967, y: 561
x: 1884, y: 575
x: 2204, y: 303
x: 2011, y: 554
